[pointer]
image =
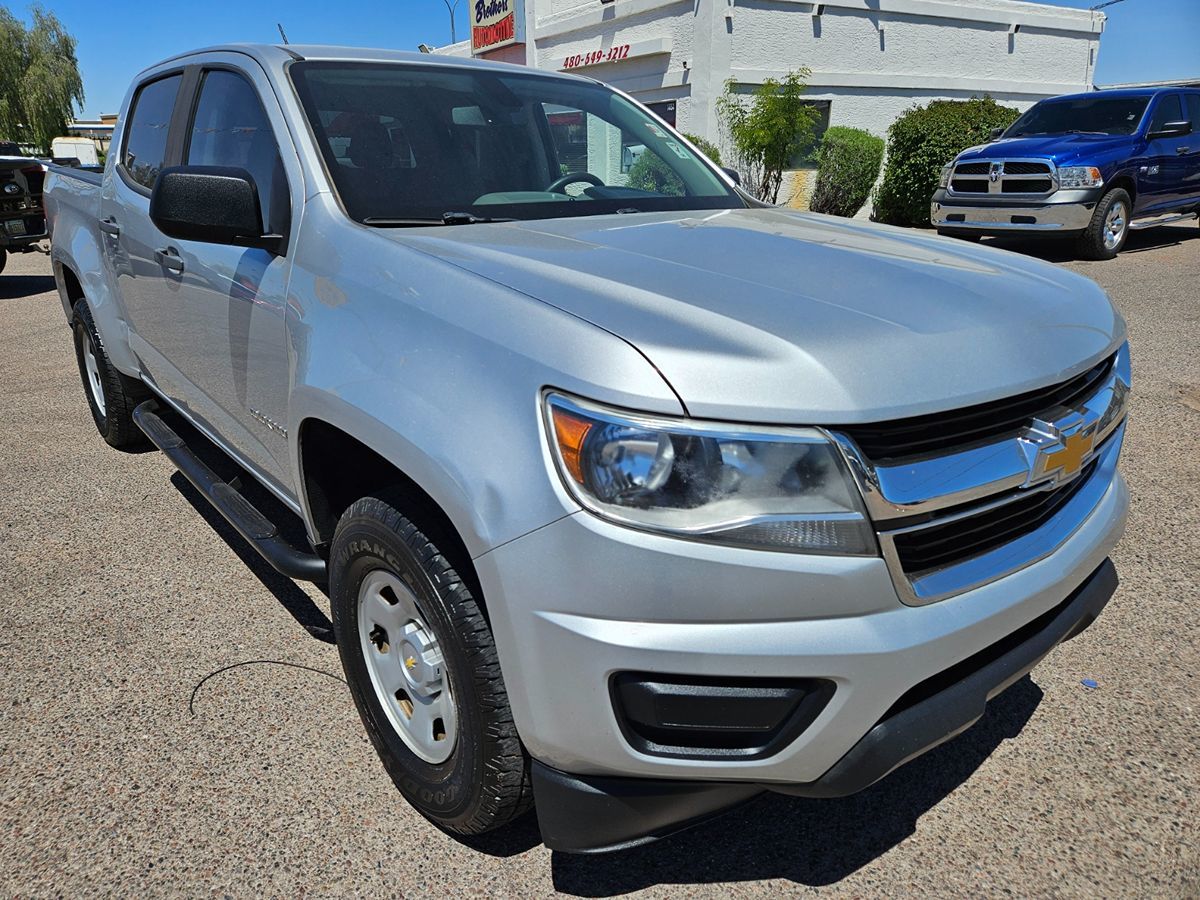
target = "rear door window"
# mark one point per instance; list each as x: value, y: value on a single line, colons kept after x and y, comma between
x: 149, y: 123
x: 1193, y: 110
x: 230, y: 128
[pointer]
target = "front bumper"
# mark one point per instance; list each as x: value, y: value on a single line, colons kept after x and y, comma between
x: 597, y: 814
x: 1065, y: 212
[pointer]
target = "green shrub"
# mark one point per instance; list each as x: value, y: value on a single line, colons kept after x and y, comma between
x: 708, y: 148
x: 923, y: 140
x: 847, y: 166
x: 650, y: 173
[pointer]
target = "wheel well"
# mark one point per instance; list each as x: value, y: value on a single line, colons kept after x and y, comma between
x: 339, y: 469
x: 73, y: 289
x: 1127, y: 184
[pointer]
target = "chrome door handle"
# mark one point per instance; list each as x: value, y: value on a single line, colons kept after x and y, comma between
x: 1183, y: 150
x: 169, y: 259
x: 110, y: 226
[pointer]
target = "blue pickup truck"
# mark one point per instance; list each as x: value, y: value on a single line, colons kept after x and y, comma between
x: 1091, y: 167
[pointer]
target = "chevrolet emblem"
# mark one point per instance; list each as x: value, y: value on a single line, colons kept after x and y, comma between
x: 1068, y: 459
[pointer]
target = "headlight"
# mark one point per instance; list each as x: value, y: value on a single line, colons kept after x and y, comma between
x: 944, y: 178
x: 746, y: 486
x: 1079, y: 177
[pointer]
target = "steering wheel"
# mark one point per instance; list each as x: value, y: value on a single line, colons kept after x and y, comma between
x: 557, y: 185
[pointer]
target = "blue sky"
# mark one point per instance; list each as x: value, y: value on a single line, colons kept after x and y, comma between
x: 1144, y: 40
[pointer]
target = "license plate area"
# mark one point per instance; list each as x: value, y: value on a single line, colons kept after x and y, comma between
x: 15, y: 226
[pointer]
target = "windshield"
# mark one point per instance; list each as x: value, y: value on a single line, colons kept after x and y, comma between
x: 420, y: 144
x: 1085, y: 115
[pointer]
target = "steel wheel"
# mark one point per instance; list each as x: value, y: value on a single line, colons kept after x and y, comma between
x: 93, y: 374
x: 406, y: 668
x: 1115, y: 225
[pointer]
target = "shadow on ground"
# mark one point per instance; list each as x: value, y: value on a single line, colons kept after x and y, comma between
x: 1063, y: 250
x: 297, y: 603
x: 17, y: 287
x: 289, y: 594
x: 809, y: 842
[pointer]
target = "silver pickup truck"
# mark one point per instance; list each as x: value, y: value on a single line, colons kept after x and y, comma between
x: 633, y: 497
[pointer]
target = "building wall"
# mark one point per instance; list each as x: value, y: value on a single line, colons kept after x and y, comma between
x: 872, y: 59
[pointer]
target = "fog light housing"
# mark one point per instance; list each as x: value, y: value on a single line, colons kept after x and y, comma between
x: 686, y: 717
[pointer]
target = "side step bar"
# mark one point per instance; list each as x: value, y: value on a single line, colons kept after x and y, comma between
x: 251, y: 524
x: 1161, y: 220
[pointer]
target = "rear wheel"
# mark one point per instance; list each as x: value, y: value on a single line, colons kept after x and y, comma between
x: 1106, y: 233
x: 3, y: 258
x: 111, y: 395
x: 423, y: 671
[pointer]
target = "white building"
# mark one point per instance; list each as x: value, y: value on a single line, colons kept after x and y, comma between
x: 870, y: 59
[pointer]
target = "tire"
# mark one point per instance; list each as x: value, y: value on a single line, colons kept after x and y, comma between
x: 111, y: 395
x: 3, y: 258
x: 477, y: 778
x: 1098, y: 240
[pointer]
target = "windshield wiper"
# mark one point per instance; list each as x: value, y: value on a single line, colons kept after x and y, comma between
x: 465, y: 218
x: 449, y: 218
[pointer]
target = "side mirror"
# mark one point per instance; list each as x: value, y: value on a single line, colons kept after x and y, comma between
x: 213, y: 204
x: 1171, y: 129
x: 997, y: 132
x: 733, y: 174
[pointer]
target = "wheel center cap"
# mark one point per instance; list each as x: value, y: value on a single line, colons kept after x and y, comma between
x: 420, y: 659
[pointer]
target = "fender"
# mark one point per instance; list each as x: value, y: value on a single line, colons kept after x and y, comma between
x: 394, y: 347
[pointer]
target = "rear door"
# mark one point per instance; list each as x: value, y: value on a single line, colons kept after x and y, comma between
x: 149, y: 289
x: 234, y: 299
x: 1191, y: 157
x: 1160, y: 178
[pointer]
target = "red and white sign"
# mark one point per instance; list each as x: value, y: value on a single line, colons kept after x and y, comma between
x: 496, y: 23
x: 615, y: 53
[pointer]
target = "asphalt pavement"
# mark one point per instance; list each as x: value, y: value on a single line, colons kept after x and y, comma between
x: 173, y: 719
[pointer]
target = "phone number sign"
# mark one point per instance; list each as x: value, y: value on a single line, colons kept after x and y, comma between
x: 615, y: 53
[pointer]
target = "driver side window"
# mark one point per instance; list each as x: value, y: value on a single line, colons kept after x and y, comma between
x: 231, y: 128
x: 1166, y: 110
x: 584, y: 142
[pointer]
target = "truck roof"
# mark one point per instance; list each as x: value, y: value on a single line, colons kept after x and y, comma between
x: 1124, y: 92
x: 273, y: 55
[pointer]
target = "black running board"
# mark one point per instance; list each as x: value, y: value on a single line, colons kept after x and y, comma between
x: 262, y: 534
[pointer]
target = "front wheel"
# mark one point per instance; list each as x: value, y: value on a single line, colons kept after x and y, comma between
x: 423, y: 671
x: 3, y: 258
x: 1106, y: 233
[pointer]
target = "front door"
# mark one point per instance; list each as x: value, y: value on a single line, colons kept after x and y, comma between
x: 234, y: 299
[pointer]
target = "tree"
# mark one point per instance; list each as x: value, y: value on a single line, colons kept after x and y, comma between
x: 40, y: 86
x: 768, y: 132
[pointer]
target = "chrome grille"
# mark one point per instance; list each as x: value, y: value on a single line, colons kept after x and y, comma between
x: 927, y: 549
x: 962, y: 498
x: 943, y: 432
x: 1003, y: 176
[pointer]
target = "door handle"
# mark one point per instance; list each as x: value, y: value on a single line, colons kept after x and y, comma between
x: 110, y: 226
x: 1183, y: 151
x: 169, y: 259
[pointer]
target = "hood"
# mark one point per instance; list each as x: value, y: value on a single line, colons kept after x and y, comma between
x: 1064, y: 149
x: 774, y: 316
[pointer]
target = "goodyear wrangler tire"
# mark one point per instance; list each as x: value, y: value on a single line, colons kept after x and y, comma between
x: 111, y: 395
x: 422, y: 668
